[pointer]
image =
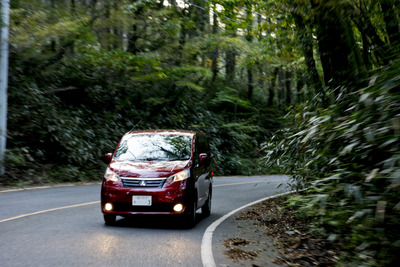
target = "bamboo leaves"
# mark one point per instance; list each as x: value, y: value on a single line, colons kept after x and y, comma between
x: 348, y: 159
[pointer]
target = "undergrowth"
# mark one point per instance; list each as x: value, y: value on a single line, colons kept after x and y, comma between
x: 347, y: 156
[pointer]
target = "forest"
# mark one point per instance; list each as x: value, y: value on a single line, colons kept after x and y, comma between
x: 308, y: 88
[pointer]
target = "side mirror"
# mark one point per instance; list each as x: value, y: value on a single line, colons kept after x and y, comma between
x: 107, y: 158
x: 202, y: 158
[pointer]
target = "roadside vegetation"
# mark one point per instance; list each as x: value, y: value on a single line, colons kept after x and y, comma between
x: 307, y: 88
x: 343, y: 151
x: 346, y: 155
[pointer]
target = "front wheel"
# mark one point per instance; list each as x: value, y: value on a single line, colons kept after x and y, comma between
x: 109, y: 219
x: 190, y: 218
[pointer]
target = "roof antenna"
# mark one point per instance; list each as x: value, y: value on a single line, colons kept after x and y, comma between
x: 136, y: 125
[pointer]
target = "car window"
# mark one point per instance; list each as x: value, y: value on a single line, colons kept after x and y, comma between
x: 150, y: 147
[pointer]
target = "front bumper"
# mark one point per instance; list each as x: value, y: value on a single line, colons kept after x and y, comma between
x: 163, y: 199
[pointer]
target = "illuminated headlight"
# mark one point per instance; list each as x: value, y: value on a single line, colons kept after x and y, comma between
x: 180, y: 176
x: 111, y: 176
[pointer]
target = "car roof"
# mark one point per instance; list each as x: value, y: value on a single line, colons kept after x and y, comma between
x: 164, y: 131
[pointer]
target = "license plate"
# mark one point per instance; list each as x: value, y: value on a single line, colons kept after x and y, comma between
x: 141, y: 200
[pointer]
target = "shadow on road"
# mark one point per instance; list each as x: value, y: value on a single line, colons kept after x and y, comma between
x: 154, y: 222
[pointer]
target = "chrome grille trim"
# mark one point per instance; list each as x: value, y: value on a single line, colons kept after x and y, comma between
x: 129, y: 182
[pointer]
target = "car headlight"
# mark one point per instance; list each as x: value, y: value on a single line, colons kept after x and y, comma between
x: 180, y: 176
x: 111, y: 176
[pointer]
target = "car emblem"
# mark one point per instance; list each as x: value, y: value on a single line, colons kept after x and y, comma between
x: 142, y: 183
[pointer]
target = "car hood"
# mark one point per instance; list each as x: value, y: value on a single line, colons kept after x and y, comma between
x: 148, y: 169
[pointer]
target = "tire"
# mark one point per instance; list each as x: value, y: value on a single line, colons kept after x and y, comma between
x: 190, y: 218
x: 109, y: 219
x: 206, y: 209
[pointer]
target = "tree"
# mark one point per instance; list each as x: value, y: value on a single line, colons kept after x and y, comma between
x: 307, y: 46
x: 392, y: 24
x: 214, y: 56
x: 339, y: 53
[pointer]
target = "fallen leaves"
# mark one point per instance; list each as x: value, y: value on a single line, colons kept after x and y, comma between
x: 236, y: 250
x: 292, y: 237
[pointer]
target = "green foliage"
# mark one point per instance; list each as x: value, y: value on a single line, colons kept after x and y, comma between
x: 82, y: 75
x: 71, y: 97
x: 347, y: 156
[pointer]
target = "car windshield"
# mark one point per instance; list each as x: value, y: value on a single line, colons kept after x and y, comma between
x: 154, y: 147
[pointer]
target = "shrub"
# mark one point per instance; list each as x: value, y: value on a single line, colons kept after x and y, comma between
x: 347, y: 156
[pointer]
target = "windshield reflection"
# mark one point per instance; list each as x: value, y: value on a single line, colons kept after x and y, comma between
x: 154, y: 147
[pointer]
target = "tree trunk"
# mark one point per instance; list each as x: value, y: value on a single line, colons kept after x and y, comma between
x: 182, y: 41
x: 53, y: 42
x: 230, y: 61
x: 371, y: 40
x: 249, y: 38
x: 230, y: 56
x: 117, y: 31
x: 214, y: 58
x: 288, y: 88
x: 201, y: 14
x: 391, y: 20
x: 250, y: 86
x: 299, y: 86
x: 104, y: 33
x: 272, y: 87
x: 281, y: 86
x: 93, y: 4
x: 73, y: 7
x: 132, y: 40
x: 307, y: 48
x: 340, y: 58
x: 392, y: 25
x: 260, y: 31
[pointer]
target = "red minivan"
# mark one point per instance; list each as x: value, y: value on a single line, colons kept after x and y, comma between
x: 166, y: 172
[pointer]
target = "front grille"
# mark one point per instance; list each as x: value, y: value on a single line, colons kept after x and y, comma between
x: 143, y: 183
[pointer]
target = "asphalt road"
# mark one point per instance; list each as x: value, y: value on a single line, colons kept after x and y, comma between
x: 63, y: 226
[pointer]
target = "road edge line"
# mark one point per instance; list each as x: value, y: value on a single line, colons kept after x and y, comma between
x: 49, y: 210
x: 49, y: 186
x: 207, y: 256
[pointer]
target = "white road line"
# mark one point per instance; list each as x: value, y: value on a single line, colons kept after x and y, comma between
x: 251, y: 182
x: 47, y: 187
x: 207, y: 256
x: 44, y: 211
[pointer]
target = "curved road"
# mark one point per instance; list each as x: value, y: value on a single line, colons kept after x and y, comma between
x: 63, y: 226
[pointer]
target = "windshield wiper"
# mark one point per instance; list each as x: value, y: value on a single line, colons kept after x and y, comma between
x: 175, y: 159
x: 151, y: 159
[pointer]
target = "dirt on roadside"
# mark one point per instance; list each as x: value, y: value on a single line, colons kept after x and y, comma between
x: 289, y: 238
